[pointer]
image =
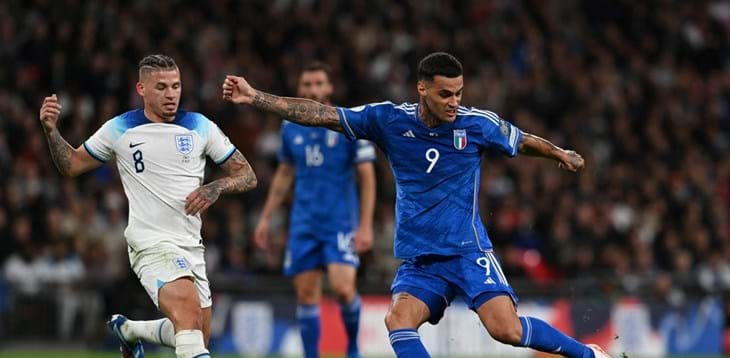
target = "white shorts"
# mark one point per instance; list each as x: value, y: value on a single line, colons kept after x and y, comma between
x: 165, y: 263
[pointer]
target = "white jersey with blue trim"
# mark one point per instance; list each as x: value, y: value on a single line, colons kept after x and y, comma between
x: 160, y: 164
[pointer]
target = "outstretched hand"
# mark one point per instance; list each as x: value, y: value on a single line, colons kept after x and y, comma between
x: 237, y: 90
x: 571, y: 161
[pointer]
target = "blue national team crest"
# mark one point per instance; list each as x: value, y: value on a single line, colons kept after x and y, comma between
x: 460, y: 139
x: 184, y: 143
x: 181, y: 263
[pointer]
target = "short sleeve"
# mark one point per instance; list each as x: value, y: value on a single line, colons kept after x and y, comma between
x: 364, y: 151
x: 218, y: 147
x: 500, y: 135
x: 100, y: 144
x: 364, y: 122
x: 285, y: 154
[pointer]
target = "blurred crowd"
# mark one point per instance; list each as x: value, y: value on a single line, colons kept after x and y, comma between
x: 640, y: 88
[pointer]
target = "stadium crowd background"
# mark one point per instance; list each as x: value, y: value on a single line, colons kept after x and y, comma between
x: 640, y: 88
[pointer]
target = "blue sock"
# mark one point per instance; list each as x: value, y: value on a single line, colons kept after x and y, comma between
x: 539, y: 335
x: 407, y: 344
x: 309, y: 327
x: 351, y: 319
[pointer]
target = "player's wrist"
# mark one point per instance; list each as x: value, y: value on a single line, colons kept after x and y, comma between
x: 48, y: 128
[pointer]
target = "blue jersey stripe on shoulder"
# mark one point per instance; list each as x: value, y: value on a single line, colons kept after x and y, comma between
x: 129, y: 120
x: 493, y: 119
x: 408, y: 108
x: 343, y: 119
x: 191, y: 120
x: 226, y: 157
x: 93, y: 154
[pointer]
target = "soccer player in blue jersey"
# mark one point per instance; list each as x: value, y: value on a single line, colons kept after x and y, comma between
x: 324, y: 221
x: 435, y: 150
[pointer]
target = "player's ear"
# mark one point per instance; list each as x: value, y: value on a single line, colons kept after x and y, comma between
x: 140, y: 88
x: 421, y: 87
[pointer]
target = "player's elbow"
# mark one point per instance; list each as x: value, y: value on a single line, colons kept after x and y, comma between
x: 250, y: 181
x: 254, y: 181
x: 68, y: 172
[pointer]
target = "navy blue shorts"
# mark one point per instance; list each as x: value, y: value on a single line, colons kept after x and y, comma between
x: 305, y: 252
x: 437, y: 280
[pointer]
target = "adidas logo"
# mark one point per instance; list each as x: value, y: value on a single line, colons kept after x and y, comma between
x: 409, y: 134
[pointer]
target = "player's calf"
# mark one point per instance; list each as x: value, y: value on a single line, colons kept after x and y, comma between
x: 180, y: 303
x: 507, y: 333
x: 501, y: 321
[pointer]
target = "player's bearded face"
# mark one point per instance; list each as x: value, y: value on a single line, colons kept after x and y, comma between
x: 161, y: 92
x: 315, y: 85
x: 442, y: 96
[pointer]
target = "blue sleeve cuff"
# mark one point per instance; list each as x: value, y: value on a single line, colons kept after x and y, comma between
x: 515, y: 142
x: 93, y: 154
x: 364, y: 160
x: 349, y: 133
x: 227, y: 156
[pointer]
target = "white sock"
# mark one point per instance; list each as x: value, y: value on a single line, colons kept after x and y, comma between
x: 189, y: 343
x: 159, y: 331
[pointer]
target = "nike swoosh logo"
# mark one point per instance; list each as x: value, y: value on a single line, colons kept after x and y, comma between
x: 134, y: 145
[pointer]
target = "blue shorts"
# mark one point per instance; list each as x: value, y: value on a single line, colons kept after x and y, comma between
x: 305, y: 252
x: 437, y: 280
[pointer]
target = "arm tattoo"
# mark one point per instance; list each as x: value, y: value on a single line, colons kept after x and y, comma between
x: 299, y: 110
x: 535, y: 146
x: 241, y: 178
x: 60, y: 151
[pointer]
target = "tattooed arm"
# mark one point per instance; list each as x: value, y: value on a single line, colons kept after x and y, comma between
x: 69, y: 161
x: 240, y: 179
x: 299, y: 110
x: 535, y: 146
x: 280, y: 185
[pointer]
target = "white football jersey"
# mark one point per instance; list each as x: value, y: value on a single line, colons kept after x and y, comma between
x: 160, y: 165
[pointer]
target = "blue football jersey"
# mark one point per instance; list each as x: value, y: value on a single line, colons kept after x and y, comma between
x: 325, y: 193
x: 436, y: 171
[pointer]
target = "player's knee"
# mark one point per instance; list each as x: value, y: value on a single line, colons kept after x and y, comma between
x: 396, y: 319
x: 506, y: 333
x: 308, y: 295
x: 343, y: 292
x: 187, y: 315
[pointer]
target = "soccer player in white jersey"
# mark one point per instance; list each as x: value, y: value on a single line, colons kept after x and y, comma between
x: 160, y: 153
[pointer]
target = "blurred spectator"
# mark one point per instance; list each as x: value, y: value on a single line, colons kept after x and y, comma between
x: 23, y: 270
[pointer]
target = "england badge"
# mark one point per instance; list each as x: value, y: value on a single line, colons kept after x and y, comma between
x: 184, y: 143
x: 460, y: 139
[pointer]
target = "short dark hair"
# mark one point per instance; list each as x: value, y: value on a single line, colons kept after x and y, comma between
x: 318, y: 66
x: 156, y: 62
x: 439, y: 64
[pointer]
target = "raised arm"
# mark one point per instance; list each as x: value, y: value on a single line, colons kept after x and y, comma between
x: 299, y: 110
x: 535, y: 146
x: 240, y: 179
x: 69, y: 161
x: 280, y: 185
